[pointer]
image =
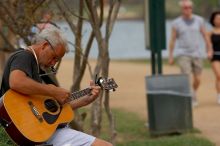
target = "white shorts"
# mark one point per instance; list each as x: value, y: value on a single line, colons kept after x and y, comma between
x: 70, y: 137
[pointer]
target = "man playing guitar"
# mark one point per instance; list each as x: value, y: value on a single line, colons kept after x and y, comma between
x: 22, y: 75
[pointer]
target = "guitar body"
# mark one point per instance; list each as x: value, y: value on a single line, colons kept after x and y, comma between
x: 32, y: 119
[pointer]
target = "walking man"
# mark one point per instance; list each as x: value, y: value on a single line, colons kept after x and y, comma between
x: 187, y: 30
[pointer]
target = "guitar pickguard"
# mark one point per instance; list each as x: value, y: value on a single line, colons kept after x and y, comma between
x: 49, y: 118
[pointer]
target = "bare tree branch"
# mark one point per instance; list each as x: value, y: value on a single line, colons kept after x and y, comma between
x: 11, y: 47
x: 36, y: 6
x: 61, y: 6
x: 78, y: 38
x: 78, y: 16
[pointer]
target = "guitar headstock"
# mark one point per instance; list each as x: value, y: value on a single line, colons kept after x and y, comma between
x: 107, y: 83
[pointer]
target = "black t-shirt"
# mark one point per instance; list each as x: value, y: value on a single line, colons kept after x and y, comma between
x: 22, y: 60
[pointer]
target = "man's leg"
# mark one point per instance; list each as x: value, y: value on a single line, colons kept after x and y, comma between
x: 197, y: 72
x: 186, y: 66
x: 69, y: 137
x: 197, y: 65
x: 100, y: 142
x: 196, y: 81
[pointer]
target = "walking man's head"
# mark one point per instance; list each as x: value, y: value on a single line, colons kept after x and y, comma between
x: 186, y: 7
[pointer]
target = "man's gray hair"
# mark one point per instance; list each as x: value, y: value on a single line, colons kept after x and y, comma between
x: 185, y: 2
x: 53, y: 35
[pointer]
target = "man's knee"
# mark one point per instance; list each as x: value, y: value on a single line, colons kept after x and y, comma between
x: 196, y: 81
x: 197, y: 77
x: 218, y: 77
x: 100, y: 142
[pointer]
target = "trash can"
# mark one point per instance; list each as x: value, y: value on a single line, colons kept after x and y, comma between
x: 169, y: 104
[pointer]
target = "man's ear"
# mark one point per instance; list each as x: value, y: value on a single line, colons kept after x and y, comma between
x: 43, y: 45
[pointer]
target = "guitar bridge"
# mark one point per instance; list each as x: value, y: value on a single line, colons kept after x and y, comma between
x: 35, y: 111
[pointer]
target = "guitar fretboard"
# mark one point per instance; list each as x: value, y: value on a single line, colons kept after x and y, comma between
x: 106, y: 84
x: 78, y: 94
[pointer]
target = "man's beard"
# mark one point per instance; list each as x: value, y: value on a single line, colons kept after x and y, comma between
x: 48, y: 70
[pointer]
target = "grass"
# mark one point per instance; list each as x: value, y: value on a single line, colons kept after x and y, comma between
x: 132, y: 132
x: 4, y: 139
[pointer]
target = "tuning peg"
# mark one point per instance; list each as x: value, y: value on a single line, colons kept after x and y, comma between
x: 112, y: 90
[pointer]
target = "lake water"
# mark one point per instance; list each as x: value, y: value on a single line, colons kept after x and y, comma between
x: 127, y: 40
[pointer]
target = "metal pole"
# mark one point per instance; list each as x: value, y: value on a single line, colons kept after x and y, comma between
x: 159, y: 62
x: 155, y: 32
x: 153, y: 63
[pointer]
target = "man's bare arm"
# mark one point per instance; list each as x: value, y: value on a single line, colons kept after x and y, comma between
x: 95, y: 90
x: 172, y: 44
x: 207, y: 38
x: 20, y: 82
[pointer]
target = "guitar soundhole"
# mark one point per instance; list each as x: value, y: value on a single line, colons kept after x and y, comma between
x: 51, y: 105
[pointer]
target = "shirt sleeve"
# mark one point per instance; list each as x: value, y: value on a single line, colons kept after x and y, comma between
x: 22, y: 61
x: 173, y: 24
x: 201, y: 22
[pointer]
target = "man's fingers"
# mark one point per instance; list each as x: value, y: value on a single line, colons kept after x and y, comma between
x: 92, y: 83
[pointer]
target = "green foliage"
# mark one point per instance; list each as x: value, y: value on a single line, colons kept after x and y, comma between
x: 133, y: 132
x: 201, y: 7
x: 4, y: 139
x: 187, y: 140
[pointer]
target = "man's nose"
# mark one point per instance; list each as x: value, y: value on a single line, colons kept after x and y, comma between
x: 53, y: 62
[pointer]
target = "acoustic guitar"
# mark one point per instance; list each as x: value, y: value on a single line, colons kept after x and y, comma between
x: 32, y: 120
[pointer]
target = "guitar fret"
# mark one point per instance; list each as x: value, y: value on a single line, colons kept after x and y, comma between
x: 81, y: 93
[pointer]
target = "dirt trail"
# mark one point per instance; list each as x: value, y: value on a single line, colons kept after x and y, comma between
x: 131, y: 93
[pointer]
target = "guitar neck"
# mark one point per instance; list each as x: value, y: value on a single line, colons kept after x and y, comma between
x: 106, y: 84
x: 81, y: 93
